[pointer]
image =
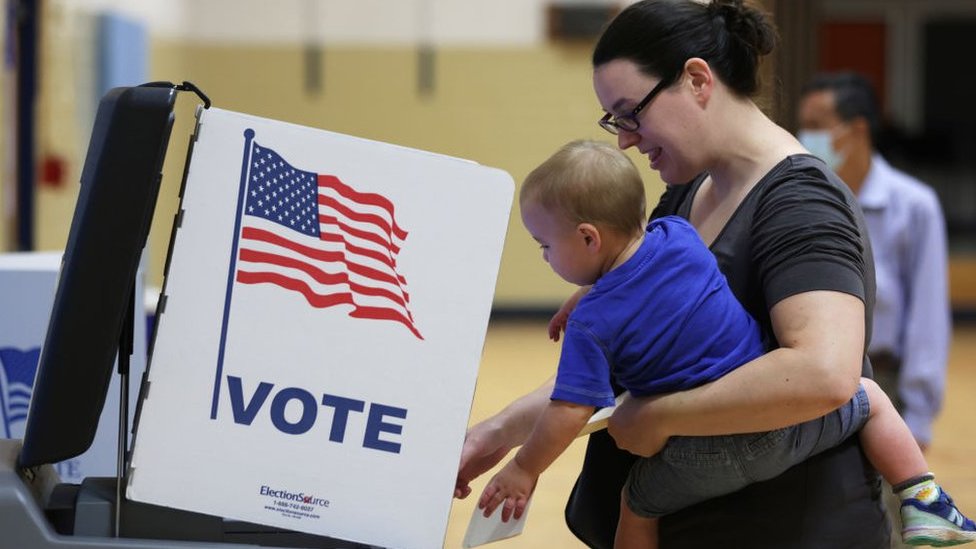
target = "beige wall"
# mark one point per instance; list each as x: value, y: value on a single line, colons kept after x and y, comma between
x: 508, y: 108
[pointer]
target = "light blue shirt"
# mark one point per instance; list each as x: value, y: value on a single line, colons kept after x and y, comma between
x: 912, y: 314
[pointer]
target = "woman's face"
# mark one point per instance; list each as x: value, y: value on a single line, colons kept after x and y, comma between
x: 620, y: 86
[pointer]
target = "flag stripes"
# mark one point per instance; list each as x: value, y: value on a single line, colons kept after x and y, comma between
x: 323, y: 301
x: 373, y: 199
x: 318, y: 275
x: 387, y: 248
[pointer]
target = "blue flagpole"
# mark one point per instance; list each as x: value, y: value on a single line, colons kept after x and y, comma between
x: 245, y: 164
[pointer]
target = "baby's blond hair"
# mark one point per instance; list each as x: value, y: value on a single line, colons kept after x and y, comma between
x: 589, y: 182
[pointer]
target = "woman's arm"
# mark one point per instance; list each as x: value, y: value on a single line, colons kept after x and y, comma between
x: 487, y: 442
x: 815, y: 370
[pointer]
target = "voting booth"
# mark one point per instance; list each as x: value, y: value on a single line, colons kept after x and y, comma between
x: 315, y: 353
x: 27, y: 284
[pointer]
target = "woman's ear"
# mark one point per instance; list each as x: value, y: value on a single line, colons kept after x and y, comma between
x: 701, y: 79
x: 590, y: 235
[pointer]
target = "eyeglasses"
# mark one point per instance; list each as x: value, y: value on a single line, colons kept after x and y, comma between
x: 629, y: 122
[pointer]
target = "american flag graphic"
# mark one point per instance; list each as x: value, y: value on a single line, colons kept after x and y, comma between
x: 313, y: 234
x: 16, y: 381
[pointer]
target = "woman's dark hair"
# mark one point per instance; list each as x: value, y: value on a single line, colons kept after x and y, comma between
x: 660, y: 35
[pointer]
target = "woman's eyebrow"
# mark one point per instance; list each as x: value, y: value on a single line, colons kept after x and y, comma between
x: 618, y: 103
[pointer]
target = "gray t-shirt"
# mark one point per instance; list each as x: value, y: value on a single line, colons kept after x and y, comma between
x: 799, y: 229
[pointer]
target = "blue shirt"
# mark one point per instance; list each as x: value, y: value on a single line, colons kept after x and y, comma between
x: 663, y: 321
x: 912, y: 314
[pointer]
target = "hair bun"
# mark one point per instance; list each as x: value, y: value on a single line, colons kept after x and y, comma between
x: 745, y: 22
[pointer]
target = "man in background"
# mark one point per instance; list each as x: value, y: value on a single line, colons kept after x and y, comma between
x: 840, y: 121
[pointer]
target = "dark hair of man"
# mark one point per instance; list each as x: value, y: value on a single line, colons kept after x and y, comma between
x: 853, y: 98
x: 660, y: 35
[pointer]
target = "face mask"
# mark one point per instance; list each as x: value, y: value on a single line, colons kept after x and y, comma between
x: 820, y: 144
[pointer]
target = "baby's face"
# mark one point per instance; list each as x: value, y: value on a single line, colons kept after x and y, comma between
x: 564, y: 247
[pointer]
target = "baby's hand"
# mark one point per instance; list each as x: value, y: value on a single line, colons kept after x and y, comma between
x: 512, y: 487
x: 557, y: 323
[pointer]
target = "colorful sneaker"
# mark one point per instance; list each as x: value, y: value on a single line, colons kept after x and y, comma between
x: 938, y: 523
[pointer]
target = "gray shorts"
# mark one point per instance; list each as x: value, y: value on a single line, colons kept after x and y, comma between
x: 693, y: 469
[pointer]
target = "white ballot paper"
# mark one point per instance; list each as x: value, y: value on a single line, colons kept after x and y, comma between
x: 482, y: 530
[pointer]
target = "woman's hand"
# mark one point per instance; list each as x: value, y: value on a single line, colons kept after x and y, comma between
x: 489, y: 441
x: 483, y: 449
x: 557, y: 324
x: 635, y: 428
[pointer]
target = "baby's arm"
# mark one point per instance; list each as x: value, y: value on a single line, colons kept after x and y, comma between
x: 556, y: 429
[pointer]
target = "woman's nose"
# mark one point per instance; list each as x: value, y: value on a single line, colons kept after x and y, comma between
x: 627, y: 139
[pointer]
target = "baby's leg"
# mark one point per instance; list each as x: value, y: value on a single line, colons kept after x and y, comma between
x: 929, y: 516
x: 887, y: 441
x: 633, y: 530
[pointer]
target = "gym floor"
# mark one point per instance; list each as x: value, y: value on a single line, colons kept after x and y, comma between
x: 518, y: 357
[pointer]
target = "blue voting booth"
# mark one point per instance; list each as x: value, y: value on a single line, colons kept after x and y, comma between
x: 28, y: 281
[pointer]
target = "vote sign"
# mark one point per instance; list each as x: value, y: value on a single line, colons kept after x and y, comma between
x: 325, y: 308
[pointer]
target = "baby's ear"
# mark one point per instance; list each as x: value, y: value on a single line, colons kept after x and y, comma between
x: 591, y: 235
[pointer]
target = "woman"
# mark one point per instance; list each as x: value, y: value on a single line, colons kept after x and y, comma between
x: 676, y: 78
